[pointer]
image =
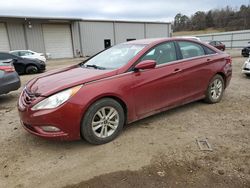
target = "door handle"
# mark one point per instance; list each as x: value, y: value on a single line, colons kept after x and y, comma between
x: 177, y: 70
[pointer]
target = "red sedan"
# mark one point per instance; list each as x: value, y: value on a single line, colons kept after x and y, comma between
x: 130, y: 81
x: 219, y: 45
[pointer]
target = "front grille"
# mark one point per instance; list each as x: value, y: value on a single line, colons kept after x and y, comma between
x: 27, y: 97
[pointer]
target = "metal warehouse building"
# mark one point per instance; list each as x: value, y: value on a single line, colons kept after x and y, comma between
x: 66, y: 38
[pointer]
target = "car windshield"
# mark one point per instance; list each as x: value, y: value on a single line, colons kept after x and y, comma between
x: 114, y: 57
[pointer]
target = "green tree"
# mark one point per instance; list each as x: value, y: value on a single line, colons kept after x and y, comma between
x: 199, y: 20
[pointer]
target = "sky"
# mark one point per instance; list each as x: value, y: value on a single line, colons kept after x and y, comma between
x: 147, y: 10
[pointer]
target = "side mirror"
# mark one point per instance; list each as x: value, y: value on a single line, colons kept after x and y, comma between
x: 147, y: 64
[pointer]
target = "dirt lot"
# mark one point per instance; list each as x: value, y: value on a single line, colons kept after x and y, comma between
x: 159, y: 151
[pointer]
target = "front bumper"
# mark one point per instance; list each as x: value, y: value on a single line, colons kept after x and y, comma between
x: 42, y: 67
x: 246, y: 71
x: 245, y: 53
x: 246, y: 67
x: 67, y: 118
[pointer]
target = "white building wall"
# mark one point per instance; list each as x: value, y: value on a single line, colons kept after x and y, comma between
x: 157, y: 30
x: 4, y: 41
x: 58, y: 40
x: 34, y: 38
x: 93, y: 34
x: 16, y: 36
x: 124, y: 31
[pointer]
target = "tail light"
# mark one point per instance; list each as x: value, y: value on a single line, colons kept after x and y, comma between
x: 7, y: 68
x: 228, y: 60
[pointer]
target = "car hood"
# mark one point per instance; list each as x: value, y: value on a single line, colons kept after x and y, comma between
x: 55, y: 81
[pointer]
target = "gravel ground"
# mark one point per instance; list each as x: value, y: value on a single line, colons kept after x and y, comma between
x: 159, y: 151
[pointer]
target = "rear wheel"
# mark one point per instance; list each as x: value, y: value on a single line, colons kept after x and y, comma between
x: 31, y: 69
x: 248, y: 75
x: 103, y: 121
x: 215, y: 89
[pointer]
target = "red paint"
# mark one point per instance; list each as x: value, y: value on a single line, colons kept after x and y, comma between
x: 221, y: 47
x: 144, y: 92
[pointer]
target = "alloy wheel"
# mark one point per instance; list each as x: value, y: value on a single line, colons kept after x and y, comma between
x: 216, y: 89
x: 105, y: 122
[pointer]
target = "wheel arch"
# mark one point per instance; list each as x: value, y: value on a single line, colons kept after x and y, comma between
x: 223, y: 76
x: 112, y: 96
x: 30, y: 64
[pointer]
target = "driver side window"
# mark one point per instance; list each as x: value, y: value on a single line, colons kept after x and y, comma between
x: 162, y: 53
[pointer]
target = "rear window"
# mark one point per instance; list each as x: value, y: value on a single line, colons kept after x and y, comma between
x: 190, y: 49
x: 208, y: 50
x: 4, y: 56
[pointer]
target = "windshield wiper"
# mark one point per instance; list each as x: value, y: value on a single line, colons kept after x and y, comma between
x: 95, y: 67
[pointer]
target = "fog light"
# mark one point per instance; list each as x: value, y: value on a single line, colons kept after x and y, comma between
x: 50, y: 129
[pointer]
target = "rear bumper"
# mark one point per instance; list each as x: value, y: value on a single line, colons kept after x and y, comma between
x: 11, y: 83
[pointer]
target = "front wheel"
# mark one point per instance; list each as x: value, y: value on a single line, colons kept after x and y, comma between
x: 31, y: 69
x: 215, y: 90
x: 103, y: 121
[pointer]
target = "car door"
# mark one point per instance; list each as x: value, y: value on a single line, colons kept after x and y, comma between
x: 195, y: 70
x: 161, y: 86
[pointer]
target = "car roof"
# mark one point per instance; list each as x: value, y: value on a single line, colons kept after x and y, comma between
x: 20, y: 50
x: 159, y: 40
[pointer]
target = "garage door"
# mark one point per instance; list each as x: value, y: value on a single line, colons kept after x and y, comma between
x: 4, y: 42
x: 57, y: 39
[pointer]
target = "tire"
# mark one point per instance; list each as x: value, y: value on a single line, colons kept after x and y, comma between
x: 31, y: 69
x: 98, y: 131
x: 248, y: 75
x: 215, y: 89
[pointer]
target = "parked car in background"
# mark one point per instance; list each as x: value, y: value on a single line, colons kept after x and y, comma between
x: 24, y: 65
x: 9, y: 79
x: 127, y: 82
x: 246, y: 67
x: 246, y: 50
x: 217, y: 44
x: 29, y: 54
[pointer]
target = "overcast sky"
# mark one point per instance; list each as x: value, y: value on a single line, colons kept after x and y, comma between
x: 155, y: 10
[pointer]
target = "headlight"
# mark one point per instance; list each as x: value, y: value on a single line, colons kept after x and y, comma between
x: 56, y: 99
x: 41, y: 62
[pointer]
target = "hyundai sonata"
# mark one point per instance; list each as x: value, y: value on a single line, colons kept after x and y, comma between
x: 93, y: 100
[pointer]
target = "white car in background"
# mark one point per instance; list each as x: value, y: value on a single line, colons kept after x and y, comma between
x: 29, y: 54
x: 246, y: 67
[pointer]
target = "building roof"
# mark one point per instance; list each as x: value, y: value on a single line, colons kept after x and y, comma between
x: 62, y: 19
